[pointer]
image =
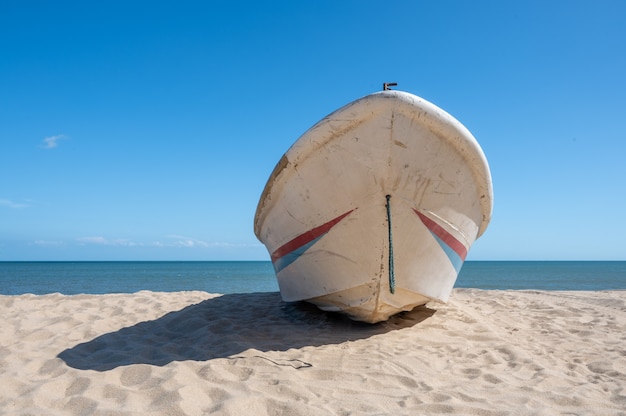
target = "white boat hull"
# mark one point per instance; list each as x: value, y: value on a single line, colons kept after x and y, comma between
x: 373, y: 210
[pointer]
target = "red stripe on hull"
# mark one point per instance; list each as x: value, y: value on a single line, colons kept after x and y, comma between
x: 445, y: 236
x: 306, y: 237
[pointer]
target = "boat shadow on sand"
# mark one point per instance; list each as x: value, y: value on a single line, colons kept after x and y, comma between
x: 225, y: 326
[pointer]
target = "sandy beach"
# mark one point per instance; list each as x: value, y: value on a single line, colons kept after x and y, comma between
x: 194, y: 353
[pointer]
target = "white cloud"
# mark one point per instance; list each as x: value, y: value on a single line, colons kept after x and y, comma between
x: 99, y: 240
x: 49, y: 243
x: 52, y: 141
x: 181, y: 241
x: 11, y: 204
x: 171, y: 241
x: 92, y: 240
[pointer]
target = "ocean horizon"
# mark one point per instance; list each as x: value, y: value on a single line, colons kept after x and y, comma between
x: 101, y: 277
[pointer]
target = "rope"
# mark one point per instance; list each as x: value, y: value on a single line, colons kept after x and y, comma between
x: 392, y: 277
x: 294, y: 363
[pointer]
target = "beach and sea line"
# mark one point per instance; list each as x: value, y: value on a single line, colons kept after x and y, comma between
x: 199, y: 338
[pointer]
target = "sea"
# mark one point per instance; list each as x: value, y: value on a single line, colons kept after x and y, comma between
x: 17, y: 278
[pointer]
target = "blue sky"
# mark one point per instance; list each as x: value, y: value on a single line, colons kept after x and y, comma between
x: 136, y: 130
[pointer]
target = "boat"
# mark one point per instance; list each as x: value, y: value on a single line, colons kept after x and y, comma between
x: 373, y: 210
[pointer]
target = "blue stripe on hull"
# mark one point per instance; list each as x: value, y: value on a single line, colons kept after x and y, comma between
x: 455, y: 259
x: 287, y: 259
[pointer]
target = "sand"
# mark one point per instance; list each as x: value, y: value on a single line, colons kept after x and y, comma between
x: 194, y: 353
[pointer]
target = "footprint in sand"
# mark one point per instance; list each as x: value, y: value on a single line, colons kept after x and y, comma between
x: 135, y: 374
x: 78, y: 386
